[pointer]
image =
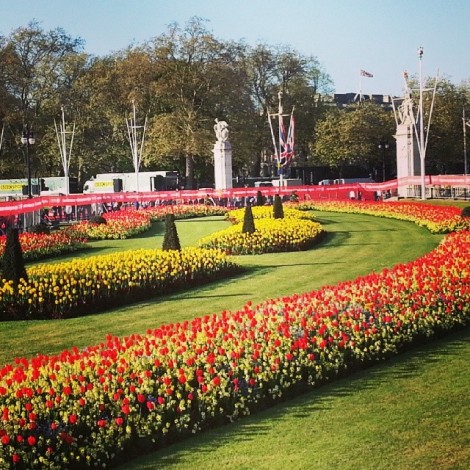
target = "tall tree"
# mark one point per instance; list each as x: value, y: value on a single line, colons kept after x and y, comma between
x: 301, y: 81
x: 198, y: 76
x: 444, y: 152
x: 32, y: 72
x: 350, y: 137
x: 104, y: 95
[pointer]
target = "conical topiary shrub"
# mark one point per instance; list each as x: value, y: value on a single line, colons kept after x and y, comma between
x: 466, y: 211
x: 13, y: 268
x: 278, y: 211
x: 171, y: 240
x: 259, y: 199
x: 248, y: 221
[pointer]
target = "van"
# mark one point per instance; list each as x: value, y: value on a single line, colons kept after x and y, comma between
x: 262, y: 184
x: 352, y: 180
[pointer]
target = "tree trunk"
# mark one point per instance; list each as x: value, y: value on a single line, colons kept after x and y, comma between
x: 189, y: 172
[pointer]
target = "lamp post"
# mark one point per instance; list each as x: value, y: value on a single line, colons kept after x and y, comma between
x: 384, y: 146
x: 28, y: 139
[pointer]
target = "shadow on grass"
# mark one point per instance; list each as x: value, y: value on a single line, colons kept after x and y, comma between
x: 157, y: 228
x: 209, y: 296
x: 205, y: 219
x: 268, y: 268
x: 333, y: 239
x: 367, y: 230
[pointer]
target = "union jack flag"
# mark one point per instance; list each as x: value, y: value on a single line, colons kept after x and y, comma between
x: 287, y: 151
x: 282, y: 133
x: 286, y: 142
x: 366, y: 74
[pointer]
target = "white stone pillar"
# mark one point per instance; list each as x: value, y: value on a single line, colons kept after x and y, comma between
x: 222, y: 156
x: 408, y: 162
x: 222, y: 164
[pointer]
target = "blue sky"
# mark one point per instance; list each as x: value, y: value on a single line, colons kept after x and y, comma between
x: 379, y: 36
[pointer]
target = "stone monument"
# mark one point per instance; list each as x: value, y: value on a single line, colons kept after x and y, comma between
x: 222, y: 156
x: 408, y: 159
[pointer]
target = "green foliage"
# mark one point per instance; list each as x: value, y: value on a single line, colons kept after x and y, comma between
x: 248, y: 220
x: 260, y: 199
x: 13, y: 268
x: 278, y: 210
x: 171, y: 240
x: 466, y: 211
x: 98, y: 220
x: 350, y: 136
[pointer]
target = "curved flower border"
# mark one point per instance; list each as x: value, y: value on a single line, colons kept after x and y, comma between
x: 88, y: 407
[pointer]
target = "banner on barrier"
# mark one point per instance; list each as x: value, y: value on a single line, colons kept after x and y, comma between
x: 333, y: 192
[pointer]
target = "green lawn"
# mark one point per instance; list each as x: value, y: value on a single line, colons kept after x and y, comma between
x: 410, y: 413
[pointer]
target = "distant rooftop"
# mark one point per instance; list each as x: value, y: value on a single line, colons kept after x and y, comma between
x: 344, y: 99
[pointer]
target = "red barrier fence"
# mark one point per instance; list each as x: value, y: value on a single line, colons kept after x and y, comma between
x: 364, y: 191
x: 336, y: 192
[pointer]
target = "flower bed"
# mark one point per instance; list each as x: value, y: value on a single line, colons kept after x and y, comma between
x: 84, y: 286
x: 87, y: 407
x: 36, y: 246
x: 185, y: 211
x: 119, y: 225
x: 127, y: 223
x: 437, y: 219
x: 266, y: 212
x: 271, y: 236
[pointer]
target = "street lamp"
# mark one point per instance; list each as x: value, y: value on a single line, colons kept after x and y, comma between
x: 28, y: 139
x: 384, y: 146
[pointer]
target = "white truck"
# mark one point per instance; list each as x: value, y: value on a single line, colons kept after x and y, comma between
x: 46, y: 186
x: 286, y: 182
x: 127, y: 182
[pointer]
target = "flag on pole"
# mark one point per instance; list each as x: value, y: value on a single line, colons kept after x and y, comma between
x: 282, y: 133
x: 272, y: 135
x: 288, y: 149
x: 366, y: 74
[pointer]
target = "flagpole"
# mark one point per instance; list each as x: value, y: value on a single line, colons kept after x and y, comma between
x: 464, y: 143
x: 1, y: 136
x: 360, y: 86
x: 421, y: 124
x: 279, y: 95
x: 272, y: 135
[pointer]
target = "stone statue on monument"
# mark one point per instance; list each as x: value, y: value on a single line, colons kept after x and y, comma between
x: 405, y: 110
x: 221, y: 130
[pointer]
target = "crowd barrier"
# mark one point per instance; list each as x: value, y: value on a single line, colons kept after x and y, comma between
x: 227, y: 197
x: 435, y: 187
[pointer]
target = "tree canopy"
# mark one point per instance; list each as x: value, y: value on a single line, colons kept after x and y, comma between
x: 181, y: 81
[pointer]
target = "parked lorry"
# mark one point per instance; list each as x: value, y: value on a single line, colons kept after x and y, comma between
x: 14, y: 188
x: 127, y: 182
x: 286, y: 182
x: 353, y: 180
